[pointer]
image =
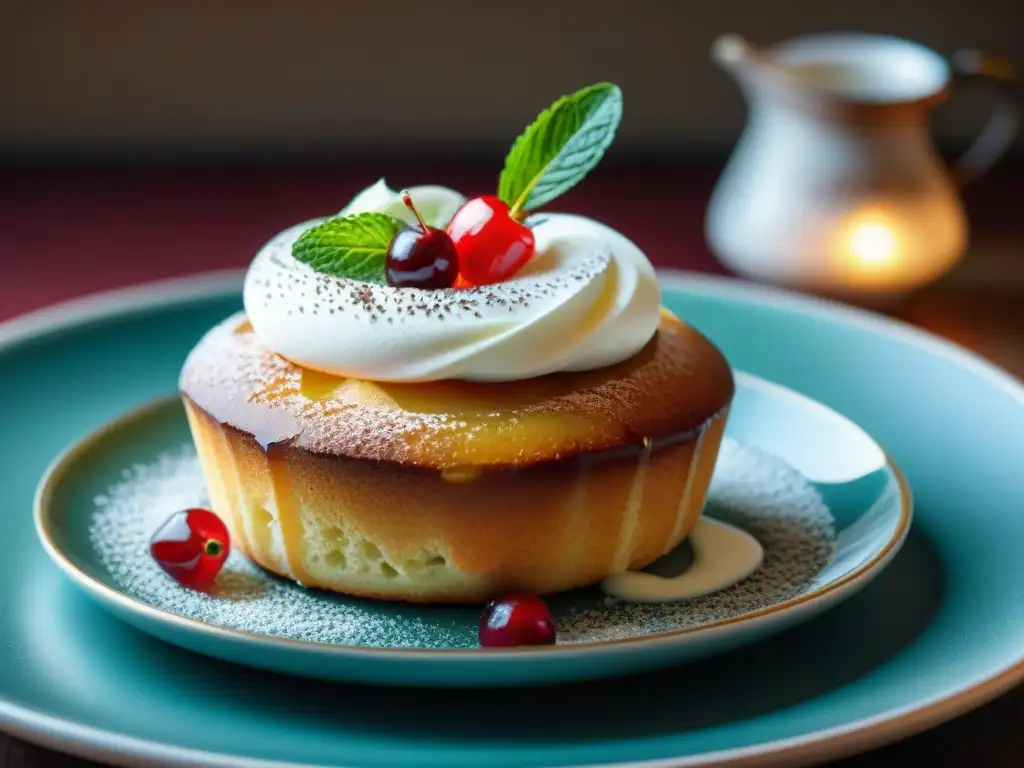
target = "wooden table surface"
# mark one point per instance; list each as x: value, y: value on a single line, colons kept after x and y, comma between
x: 67, y: 232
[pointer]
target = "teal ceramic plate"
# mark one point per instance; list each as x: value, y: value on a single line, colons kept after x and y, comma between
x: 828, y: 528
x: 939, y: 631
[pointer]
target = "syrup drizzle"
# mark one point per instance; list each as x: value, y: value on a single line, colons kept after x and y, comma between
x: 684, y: 504
x: 232, y: 484
x: 632, y: 513
x: 289, y: 516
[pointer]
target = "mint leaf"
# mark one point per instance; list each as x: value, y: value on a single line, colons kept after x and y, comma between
x: 562, y: 146
x: 354, y: 246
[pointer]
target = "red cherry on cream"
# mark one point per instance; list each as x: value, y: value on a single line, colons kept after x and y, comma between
x: 492, y: 246
x: 513, y: 620
x: 421, y: 258
x: 191, y: 546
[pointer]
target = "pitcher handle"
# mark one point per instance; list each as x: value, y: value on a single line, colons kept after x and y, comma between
x: 997, y: 135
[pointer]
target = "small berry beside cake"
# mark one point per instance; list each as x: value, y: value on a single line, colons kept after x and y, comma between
x: 440, y: 399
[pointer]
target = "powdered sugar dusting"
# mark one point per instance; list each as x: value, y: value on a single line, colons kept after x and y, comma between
x: 768, y: 499
x: 750, y: 489
x: 586, y: 299
x: 247, y: 597
x: 239, y: 381
x: 278, y: 279
x: 229, y: 374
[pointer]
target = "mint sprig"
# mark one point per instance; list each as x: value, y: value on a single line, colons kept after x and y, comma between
x: 560, y: 147
x: 353, y: 247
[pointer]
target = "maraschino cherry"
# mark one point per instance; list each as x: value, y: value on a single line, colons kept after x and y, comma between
x: 519, y: 619
x: 191, y: 546
x: 421, y: 257
x: 492, y: 245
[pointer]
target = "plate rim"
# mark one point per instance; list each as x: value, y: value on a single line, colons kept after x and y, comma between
x: 824, y: 595
x: 66, y: 735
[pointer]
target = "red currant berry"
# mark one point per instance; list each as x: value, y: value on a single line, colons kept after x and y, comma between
x: 516, y: 620
x: 492, y: 245
x: 421, y: 257
x: 191, y: 546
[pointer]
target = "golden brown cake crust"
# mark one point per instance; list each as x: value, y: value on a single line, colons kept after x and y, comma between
x: 667, y: 392
x: 394, y: 532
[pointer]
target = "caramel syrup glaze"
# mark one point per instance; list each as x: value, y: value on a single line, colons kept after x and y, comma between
x: 664, y: 395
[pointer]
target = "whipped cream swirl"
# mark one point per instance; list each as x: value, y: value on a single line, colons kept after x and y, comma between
x: 587, y: 299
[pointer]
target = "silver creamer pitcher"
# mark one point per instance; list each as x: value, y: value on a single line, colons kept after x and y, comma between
x: 835, y: 185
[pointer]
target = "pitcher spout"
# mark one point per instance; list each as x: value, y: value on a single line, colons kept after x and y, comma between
x: 746, y: 63
x: 732, y: 52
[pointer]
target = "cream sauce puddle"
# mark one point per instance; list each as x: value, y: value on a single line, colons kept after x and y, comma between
x: 723, y: 555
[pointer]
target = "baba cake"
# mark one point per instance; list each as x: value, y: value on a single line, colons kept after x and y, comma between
x: 526, y: 418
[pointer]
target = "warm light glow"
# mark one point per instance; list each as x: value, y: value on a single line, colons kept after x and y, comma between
x: 872, y: 242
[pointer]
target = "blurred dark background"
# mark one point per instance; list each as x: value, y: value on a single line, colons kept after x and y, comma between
x: 315, y: 80
x: 143, y: 140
